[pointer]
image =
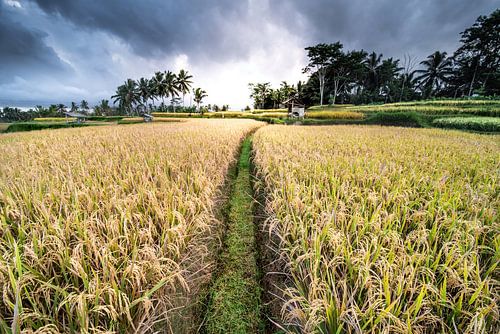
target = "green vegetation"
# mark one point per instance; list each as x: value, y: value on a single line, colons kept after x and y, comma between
x: 435, y: 108
x: 234, y: 305
x: 30, y: 126
x: 487, y: 124
x: 335, y: 115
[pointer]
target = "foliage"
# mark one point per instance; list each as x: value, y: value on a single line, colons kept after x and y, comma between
x: 31, y: 126
x: 382, y: 229
x: 8, y: 114
x: 335, y: 114
x: 114, y: 235
x: 487, y: 124
x: 357, y: 77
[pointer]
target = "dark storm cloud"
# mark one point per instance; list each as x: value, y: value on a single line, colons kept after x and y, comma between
x: 153, y: 28
x: 393, y: 27
x: 23, y: 51
x: 85, y: 48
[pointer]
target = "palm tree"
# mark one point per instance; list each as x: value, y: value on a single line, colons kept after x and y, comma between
x: 199, y: 95
x: 144, y: 90
x: 372, y: 64
x: 61, y: 108
x: 184, y: 83
x: 127, y: 95
x: 74, y: 107
x: 260, y: 92
x: 104, y: 107
x: 158, y: 83
x: 85, y: 106
x: 437, y: 69
x: 171, y: 87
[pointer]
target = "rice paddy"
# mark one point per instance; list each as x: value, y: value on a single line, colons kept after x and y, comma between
x: 363, y: 229
x: 382, y: 230
x: 110, y: 229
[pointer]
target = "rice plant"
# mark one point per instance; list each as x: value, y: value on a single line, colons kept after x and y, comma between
x: 490, y: 124
x: 383, y: 230
x: 109, y: 229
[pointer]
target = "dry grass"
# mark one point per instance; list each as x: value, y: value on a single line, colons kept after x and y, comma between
x: 4, y: 126
x: 384, y: 230
x: 107, y: 229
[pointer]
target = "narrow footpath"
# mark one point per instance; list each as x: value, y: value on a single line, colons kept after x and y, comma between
x: 235, y: 297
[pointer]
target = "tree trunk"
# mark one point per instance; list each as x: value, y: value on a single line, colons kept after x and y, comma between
x: 321, y: 77
x: 473, y: 79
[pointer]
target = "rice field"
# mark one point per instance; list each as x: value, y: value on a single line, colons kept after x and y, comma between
x: 335, y: 115
x: 488, y: 124
x: 382, y: 230
x: 109, y: 229
x: 480, y: 110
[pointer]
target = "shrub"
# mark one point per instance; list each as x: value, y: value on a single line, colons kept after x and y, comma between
x: 487, y: 124
x: 334, y: 115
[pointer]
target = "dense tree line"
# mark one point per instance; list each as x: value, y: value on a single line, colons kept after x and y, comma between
x: 266, y: 97
x: 138, y: 97
x: 356, y: 76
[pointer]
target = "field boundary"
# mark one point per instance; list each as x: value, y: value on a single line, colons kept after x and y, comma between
x: 234, y: 304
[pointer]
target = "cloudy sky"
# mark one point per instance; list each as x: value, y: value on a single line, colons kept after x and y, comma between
x: 68, y: 50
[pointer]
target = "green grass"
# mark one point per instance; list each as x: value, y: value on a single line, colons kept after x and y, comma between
x: 234, y: 305
x: 485, y: 124
x: 31, y: 126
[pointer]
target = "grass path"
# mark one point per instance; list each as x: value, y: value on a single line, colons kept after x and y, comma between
x: 235, y: 297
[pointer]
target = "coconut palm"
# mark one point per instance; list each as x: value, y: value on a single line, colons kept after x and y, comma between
x: 74, y: 107
x: 171, y: 86
x: 184, y: 83
x: 372, y: 64
x: 260, y: 92
x: 437, y: 69
x: 144, y: 90
x: 84, y: 105
x: 158, y: 82
x: 127, y: 95
x: 199, y: 95
x: 61, y: 108
x: 103, y: 108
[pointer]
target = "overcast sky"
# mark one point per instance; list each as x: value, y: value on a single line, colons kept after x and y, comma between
x: 68, y: 50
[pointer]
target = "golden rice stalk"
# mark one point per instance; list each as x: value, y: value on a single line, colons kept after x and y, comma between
x: 384, y: 230
x: 108, y: 229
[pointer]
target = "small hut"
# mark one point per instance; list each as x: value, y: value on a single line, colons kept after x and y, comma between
x: 147, y: 117
x: 296, y: 109
x: 80, y: 118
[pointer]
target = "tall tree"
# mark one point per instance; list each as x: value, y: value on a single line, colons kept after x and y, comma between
x: 159, y: 85
x: 127, y: 95
x: 184, y: 82
x: 61, y: 109
x: 478, y: 58
x: 84, y: 105
x: 321, y: 56
x: 260, y: 93
x: 171, y: 86
x: 199, y: 95
x: 372, y: 64
x: 345, y: 69
x: 144, y: 91
x: 74, y: 107
x: 437, y: 68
